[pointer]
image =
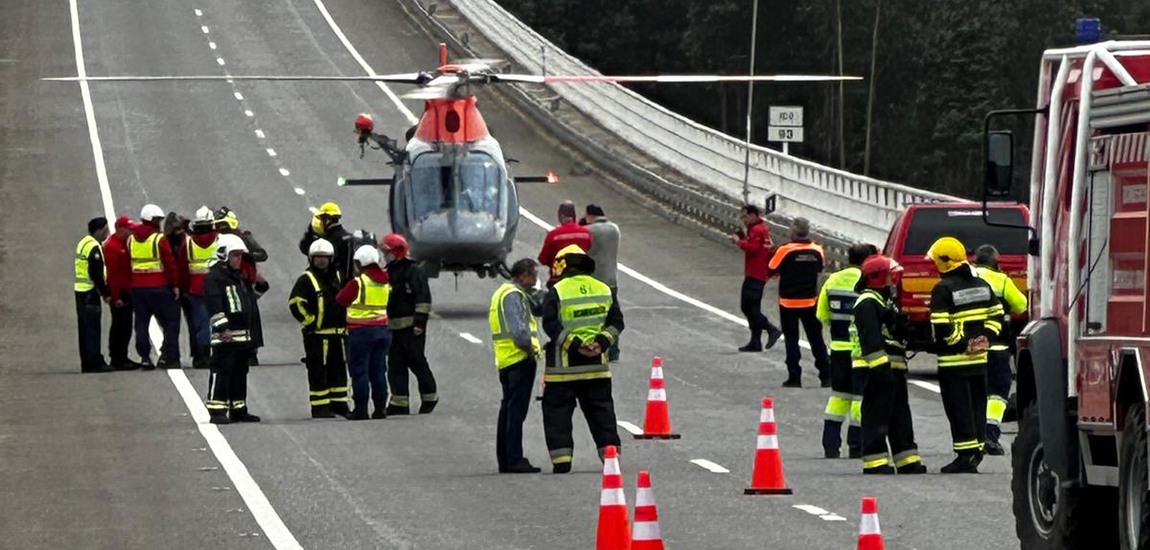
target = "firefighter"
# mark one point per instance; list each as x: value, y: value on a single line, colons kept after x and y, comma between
x: 324, y: 323
x: 408, y: 308
x: 155, y: 289
x: 835, y: 308
x: 198, y: 252
x: 581, y: 321
x: 327, y: 223
x: 229, y: 301
x: 998, y: 374
x: 879, y: 368
x: 798, y: 264
x: 368, y: 336
x: 119, y: 268
x: 227, y: 223
x: 755, y: 243
x: 91, y: 288
x: 513, y: 335
x: 964, y: 316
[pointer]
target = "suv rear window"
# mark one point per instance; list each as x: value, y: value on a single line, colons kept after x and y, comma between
x: 965, y: 224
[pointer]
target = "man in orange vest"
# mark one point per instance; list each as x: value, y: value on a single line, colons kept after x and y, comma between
x: 798, y: 264
x: 155, y: 288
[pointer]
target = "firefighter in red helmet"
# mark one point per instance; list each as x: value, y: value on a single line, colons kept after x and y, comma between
x: 407, y: 310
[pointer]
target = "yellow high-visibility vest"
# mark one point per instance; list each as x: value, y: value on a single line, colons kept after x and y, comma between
x: 583, y: 305
x: 199, y: 257
x: 146, y: 254
x: 83, y: 250
x: 506, y: 352
x: 371, y: 303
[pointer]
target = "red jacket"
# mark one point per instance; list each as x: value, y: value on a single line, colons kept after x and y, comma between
x: 192, y: 283
x: 559, y: 238
x: 119, y: 266
x: 757, y: 249
x: 350, y: 292
x: 170, y: 276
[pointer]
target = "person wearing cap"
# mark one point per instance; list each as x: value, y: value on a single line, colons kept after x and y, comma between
x: 755, y: 242
x: 879, y: 368
x: 408, y: 308
x: 998, y: 375
x: 368, y: 337
x: 581, y: 321
x: 605, y: 251
x: 155, y: 289
x: 197, y: 252
x: 227, y: 223
x: 567, y: 233
x: 229, y: 300
x: 513, y: 335
x: 118, y: 264
x: 798, y: 265
x: 965, y: 316
x: 91, y: 288
x: 327, y: 223
x: 324, y: 324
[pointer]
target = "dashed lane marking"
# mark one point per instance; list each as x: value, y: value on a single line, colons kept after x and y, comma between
x: 711, y: 466
x: 204, y: 29
x: 249, y: 113
x: 212, y: 45
x: 263, y: 511
x: 635, y: 430
x: 470, y: 337
x: 220, y: 61
x: 238, y: 96
x: 260, y: 133
x: 819, y: 512
x: 271, y: 152
x: 284, y: 172
x: 199, y: 13
x: 299, y: 191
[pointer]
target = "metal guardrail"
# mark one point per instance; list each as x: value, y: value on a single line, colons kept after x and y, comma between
x: 849, y: 206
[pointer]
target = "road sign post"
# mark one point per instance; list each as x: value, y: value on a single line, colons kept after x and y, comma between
x: 786, y: 126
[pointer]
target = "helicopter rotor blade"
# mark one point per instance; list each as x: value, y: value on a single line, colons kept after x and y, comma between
x: 402, y: 78
x: 665, y: 79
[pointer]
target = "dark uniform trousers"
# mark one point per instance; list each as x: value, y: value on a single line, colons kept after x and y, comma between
x: 517, y: 380
x: 964, y: 400
x: 326, y: 371
x: 88, y: 313
x: 594, y: 398
x: 228, y: 381
x: 161, y: 303
x: 790, y: 318
x: 751, y: 303
x: 998, y: 379
x: 886, y: 414
x: 842, y: 383
x: 407, y: 354
x: 120, y: 334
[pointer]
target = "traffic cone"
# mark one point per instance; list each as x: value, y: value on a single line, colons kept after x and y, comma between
x: 768, y: 476
x: 646, y: 516
x: 870, y: 536
x: 657, y: 423
x: 614, y: 532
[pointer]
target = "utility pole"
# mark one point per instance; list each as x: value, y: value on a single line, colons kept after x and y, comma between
x: 870, y: 94
x: 842, y: 93
x: 750, y: 103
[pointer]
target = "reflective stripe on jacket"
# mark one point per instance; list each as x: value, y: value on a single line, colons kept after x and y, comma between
x: 583, y: 306
x: 836, y: 305
x: 798, y: 264
x: 506, y: 352
x: 146, y: 255
x: 963, y: 308
x: 872, y: 333
x: 199, y: 257
x: 1012, y: 299
x: 370, y: 306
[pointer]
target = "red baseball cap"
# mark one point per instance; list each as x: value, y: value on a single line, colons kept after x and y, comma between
x: 125, y: 222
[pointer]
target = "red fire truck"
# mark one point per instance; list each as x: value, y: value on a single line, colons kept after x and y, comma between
x: 1081, y: 478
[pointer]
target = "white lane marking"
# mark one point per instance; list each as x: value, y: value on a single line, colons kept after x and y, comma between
x: 271, y: 152
x: 260, y: 133
x: 238, y: 96
x: 204, y: 29
x: 284, y: 172
x: 264, y: 513
x: 90, y: 114
x: 657, y: 285
x: 818, y: 512
x: 470, y: 338
x: 635, y: 430
x: 212, y: 45
x: 711, y: 466
x: 926, y: 385
x: 832, y: 517
x: 199, y: 13
x: 411, y: 118
x: 249, y: 113
x: 299, y: 191
x: 220, y: 61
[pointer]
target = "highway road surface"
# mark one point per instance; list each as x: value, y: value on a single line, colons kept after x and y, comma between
x: 125, y: 460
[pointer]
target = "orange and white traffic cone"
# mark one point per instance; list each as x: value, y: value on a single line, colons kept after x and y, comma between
x: 614, y: 531
x: 768, y: 475
x: 646, y: 535
x: 657, y: 423
x: 870, y: 536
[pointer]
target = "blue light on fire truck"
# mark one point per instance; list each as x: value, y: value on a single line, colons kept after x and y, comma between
x: 1088, y: 30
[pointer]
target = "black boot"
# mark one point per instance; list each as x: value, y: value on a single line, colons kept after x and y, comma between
x: 168, y: 364
x: 125, y: 364
x: 773, y: 335
x: 992, y: 446
x: 561, y: 467
x: 752, y: 346
x: 219, y: 416
x: 360, y: 413
x: 885, y: 469
x: 832, y: 438
x: 854, y: 441
x: 146, y: 364
x: 200, y: 362
x: 425, y: 407
x: 912, y: 468
x: 321, y: 411
x: 396, y: 410
x: 242, y: 415
x: 965, y: 463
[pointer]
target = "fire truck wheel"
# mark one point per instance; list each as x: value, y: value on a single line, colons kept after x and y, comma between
x: 1133, y: 498
x: 1048, y: 516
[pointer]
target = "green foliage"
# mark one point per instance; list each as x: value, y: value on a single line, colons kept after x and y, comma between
x: 941, y: 66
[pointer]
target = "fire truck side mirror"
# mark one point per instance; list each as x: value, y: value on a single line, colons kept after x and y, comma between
x: 999, y: 163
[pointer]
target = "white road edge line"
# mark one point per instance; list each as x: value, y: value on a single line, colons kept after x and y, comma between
x: 269, y: 521
x: 470, y: 337
x: 926, y: 385
x: 711, y: 466
x: 635, y: 430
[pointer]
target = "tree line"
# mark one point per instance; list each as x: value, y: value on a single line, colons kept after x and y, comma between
x: 933, y: 69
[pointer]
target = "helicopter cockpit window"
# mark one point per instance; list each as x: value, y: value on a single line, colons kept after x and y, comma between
x: 430, y: 186
x: 481, y: 184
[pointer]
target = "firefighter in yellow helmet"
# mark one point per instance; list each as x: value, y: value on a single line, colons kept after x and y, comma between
x: 582, y: 321
x: 965, y: 317
x: 327, y: 223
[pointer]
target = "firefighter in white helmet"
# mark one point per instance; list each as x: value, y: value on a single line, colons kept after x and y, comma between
x: 324, y: 323
x: 229, y: 301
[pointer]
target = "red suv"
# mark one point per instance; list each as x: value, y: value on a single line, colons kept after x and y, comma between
x: 921, y: 224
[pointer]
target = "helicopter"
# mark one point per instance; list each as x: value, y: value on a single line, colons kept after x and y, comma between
x: 452, y: 195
